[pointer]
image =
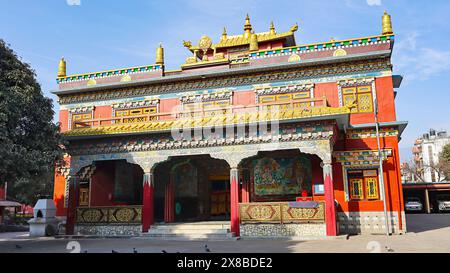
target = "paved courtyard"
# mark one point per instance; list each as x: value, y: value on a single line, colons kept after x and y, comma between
x: 427, y: 233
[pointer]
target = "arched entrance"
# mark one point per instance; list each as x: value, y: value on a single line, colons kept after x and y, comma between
x: 110, y: 183
x: 192, y: 188
x: 281, y: 175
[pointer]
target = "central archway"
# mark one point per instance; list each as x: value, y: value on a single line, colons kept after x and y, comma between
x: 192, y: 188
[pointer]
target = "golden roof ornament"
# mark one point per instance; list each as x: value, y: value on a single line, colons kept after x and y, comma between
x: 254, y: 42
x: 387, y: 24
x: 272, y: 28
x: 62, y: 68
x: 294, y: 28
x: 160, y: 55
x: 187, y: 44
x: 247, y: 27
x: 204, y: 44
x: 224, y: 34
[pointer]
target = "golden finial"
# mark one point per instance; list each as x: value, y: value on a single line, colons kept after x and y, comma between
x: 272, y: 28
x: 387, y: 24
x: 62, y: 68
x: 254, y: 42
x: 294, y: 28
x: 224, y: 34
x: 160, y: 55
x: 247, y: 27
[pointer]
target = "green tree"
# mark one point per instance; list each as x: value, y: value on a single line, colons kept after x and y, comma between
x: 29, y: 140
x: 444, y: 159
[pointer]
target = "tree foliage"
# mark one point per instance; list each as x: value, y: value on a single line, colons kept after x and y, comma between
x: 444, y: 159
x: 29, y: 140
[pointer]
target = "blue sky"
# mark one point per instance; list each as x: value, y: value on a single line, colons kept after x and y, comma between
x: 98, y: 34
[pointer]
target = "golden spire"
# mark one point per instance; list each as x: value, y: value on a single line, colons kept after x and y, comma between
x: 62, y: 68
x: 387, y: 24
x: 224, y: 34
x: 247, y: 27
x: 272, y: 28
x: 254, y: 42
x: 160, y: 55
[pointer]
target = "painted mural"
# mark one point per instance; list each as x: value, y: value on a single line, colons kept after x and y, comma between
x: 185, y: 178
x: 281, y: 177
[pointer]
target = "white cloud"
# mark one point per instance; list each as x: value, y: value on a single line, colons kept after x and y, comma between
x: 374, y: 2
x: 419, y: 63
x: 73, y: 2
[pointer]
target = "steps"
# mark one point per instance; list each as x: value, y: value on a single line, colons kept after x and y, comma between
x: 191, y: 231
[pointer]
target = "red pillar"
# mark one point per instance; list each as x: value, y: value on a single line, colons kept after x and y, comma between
x: 330, y: 209
x: 148, y: 202
x: 169, y: 203
x: 245, y: 191
x: 72, y: 205
x: 234, y: 198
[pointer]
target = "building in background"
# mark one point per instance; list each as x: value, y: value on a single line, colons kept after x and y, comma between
x: 426, y: 151
x: 423, y: 178
x: 248, y: 125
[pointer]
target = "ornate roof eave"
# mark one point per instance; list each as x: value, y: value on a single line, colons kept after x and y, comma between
x: 400, y: 124
x: 341, y: 119
x: 226, y: 72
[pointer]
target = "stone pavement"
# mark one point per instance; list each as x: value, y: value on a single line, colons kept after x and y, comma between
x: 427, y: 233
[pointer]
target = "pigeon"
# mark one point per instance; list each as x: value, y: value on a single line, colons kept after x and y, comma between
x: 207, y: 249
x: 163, y: 251
x: 347, y: 237
x: 85, y: 251
x: 389, y: 249
x: 18, y: 247
x: 113, y: 251
x: 134, y: 250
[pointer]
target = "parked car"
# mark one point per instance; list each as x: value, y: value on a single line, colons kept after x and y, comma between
x: 443, y: 202
x: 413, y: 204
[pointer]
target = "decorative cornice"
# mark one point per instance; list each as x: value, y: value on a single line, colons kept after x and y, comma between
x: 284, y: 89
x: 79, y: 110
x: 229, y: 81
x: 361, y: 157
x: 224, y: 95
x: 356, y: 82
x: 331, y: 45
x: 287, y: 132
x: 108, y: 73
x: 135, y: 104
x: 371, y: 133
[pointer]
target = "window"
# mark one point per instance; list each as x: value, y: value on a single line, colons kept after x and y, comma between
x: 363, y: 184
x: 84, y: 197
x: 136, y: 114
x: 76, y: 118
x: 287, y: 98
x: 208, y: 105
x: 359, y: 95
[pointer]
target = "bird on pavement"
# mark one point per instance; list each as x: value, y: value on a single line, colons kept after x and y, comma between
x: 163, y: 251
x: 207, y: 249
x: 389, y: 249
x: 134, y: 250
x: 18, y: 247
x: 113, y: 251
